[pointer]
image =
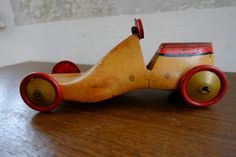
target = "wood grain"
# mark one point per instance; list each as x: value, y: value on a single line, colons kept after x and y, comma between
x: 139, y: 123
x: 123, y: 69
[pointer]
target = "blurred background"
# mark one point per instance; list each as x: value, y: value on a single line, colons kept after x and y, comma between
x: 83, y: 31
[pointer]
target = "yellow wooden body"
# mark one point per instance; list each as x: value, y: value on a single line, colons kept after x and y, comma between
x: 123, y: 69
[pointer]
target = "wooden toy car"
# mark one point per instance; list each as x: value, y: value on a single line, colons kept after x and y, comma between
x: 187, y: 67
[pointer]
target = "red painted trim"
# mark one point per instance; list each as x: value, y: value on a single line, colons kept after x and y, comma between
x: 48, y: 78
x: 65, y: 67
x: 186, y: 55
x: 193, y: 71
x: 138, y: 23
x: 185, y: 48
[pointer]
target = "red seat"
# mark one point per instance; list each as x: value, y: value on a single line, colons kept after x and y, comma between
x: 185, y: 49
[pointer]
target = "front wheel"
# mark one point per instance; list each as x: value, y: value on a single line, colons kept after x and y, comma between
x: 40, y: 92
x: 203, y: 86
x: 65, y: 67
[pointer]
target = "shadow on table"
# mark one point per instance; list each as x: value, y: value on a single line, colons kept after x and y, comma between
x: 144, y: 118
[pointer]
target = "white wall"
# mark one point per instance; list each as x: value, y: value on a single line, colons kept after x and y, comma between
x: 38, y: 11
x: 16, y: 44
x: 87, y: 40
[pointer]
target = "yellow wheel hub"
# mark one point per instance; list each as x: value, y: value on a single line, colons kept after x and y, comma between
x: 203, y: 86
x: 40, y: 92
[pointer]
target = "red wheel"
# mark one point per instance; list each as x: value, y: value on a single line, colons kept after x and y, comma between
x: 138, y: 28
x: 203, y: 85
x: 40, y: 92
x: 65, y: 67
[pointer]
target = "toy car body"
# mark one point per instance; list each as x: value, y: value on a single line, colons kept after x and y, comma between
x: 185, y: 66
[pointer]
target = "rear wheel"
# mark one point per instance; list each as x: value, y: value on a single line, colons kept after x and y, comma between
x: 203, y: 85
x: 40, y: 92
x: 65, y: 67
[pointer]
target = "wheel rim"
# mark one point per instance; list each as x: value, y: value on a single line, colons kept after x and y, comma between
x: 40, y: 92
x: 65, y: 67
x: 203, y: 86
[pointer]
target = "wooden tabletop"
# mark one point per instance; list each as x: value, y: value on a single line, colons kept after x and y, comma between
x: 139, y: 123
